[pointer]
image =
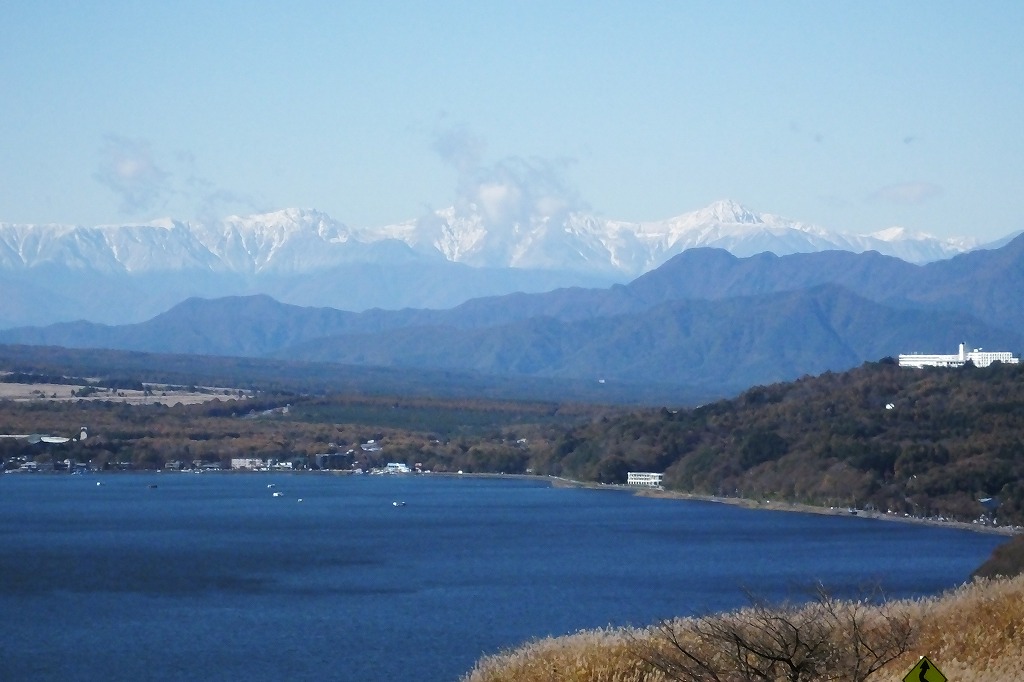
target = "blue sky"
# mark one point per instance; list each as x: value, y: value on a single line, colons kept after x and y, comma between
x: 856, y: 116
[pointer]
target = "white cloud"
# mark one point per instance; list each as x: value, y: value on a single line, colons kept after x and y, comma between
x: 128, y: 169
x: 499, y: 201
x: 510, y: 191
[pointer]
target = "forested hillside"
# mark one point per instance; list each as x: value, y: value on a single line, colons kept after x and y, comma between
x: 921, y: 442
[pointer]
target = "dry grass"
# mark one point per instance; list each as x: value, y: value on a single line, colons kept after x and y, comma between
x: 594, y: 655
x: 66, y: 393
x: 973, y: 634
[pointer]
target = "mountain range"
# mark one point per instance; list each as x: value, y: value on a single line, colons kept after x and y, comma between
x: 705, y: 319
x: 117, y: 274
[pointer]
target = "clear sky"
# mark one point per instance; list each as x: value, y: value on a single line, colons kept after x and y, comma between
x: 856, y: 116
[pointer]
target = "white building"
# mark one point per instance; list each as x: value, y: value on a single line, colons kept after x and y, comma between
x: 980, y: 358
x: 252, y: 463
x: 644, y: 478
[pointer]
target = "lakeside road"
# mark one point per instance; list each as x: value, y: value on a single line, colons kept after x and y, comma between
x: 788, y: 506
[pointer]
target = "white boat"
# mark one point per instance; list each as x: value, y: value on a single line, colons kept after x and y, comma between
x: 398, y: 503
x: 278, y: 494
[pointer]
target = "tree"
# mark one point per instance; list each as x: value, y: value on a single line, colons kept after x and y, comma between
x: 824, y: 640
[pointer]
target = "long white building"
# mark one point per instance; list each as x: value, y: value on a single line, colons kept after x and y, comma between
x: 644, y: 478
x: 980, y: 358
x: 251, y: 463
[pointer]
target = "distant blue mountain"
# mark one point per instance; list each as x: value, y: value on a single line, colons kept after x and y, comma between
x: 706, y: 318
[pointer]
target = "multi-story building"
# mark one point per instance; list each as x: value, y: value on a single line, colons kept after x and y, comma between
x: 644, y: 478
x: 978, y: 356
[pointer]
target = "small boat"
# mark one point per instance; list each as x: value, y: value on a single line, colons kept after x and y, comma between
x: 398, y: 503
x: 278, y: 494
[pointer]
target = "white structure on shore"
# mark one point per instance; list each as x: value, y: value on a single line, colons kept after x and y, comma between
x: 644, y: 478
x: 980, y: 358
x: 251, y: 463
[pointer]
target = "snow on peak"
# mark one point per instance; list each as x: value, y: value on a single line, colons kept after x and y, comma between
x: 290, y: 219
x: 728, y: 211
x: 897, y: 233
x: 304, y: 239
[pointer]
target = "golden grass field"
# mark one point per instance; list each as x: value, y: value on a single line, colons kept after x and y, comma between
x: 974, y: 633
x: 166, y: 395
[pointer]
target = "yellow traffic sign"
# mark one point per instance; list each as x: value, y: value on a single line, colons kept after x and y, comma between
x: 924, y: 671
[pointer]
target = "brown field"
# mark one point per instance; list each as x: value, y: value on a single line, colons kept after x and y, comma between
x: 972, y: 634
x: 157, y: 394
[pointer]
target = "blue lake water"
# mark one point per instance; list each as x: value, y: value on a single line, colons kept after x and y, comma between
x: 211, y: 577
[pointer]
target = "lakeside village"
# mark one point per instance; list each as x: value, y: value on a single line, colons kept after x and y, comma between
x: 331, y: 462
x: 340, y: 464
x: 334, y: 462
x: 346, y: 462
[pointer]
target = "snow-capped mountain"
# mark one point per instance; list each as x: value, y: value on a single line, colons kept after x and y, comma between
x: 297, y: 240
x: 728, y: 225
x: 586, y: 242
x: 291, y: 240
x: 128, y: 273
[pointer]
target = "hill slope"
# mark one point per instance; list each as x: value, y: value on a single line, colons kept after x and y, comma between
x: 722, y: 345
x: 920, y: 442
x: 972, y: 634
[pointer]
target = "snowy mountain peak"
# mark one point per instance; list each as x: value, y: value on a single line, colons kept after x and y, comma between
x: 298, y: 240
x: 167, y: 223
x: 288, y: 219
x: 896, y: 233
x: 728, y: 212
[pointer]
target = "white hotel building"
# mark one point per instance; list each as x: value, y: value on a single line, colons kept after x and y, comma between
x: 644, y: 478
x: 979, y: 357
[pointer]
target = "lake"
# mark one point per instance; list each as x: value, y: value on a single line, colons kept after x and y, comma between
x: 210, y: 576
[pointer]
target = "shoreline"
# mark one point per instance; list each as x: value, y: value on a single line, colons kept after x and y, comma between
x: 656, y: 493
x: 792, y: 507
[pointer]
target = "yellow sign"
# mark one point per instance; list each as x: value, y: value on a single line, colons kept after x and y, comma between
x: 924, y: 671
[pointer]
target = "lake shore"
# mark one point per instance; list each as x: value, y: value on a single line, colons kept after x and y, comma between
x: 790, y: 507
x: 660, y: 493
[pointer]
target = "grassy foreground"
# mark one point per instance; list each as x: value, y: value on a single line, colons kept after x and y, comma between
x: 974, y: 633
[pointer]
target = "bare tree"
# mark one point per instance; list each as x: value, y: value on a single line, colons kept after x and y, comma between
x: 825, y: 640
